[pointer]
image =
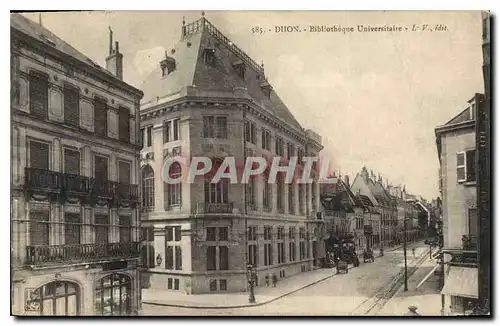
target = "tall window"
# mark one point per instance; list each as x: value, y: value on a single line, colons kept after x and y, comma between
x: 466, y: 166
x: 113, y: 295
x: 218, y: 242
x: 266, y: 139
x: 39, y: 230
x: 250, y: 132
x: 148, y: 187
x: 290, y: 151
x: 174, y: 189
x: 71, y: 105
x: 71, y: 161
x: 175, y: 123
x: 39, y: 155
x: 149, y: 136
x: 292, y: 255
x: 302, y: 244
x: 301, y: 198
x: 72, y: 228
x: 171, y: 130
x: 100, y: 117
x: 100, y: 168
x: 125, y: 229
x: 215, y: 127
x: 267, y: 193
x: 313, y: 196
x: 268, y: 246
x: 252, y: 246
x: 39, y: 94
x: 291, y: 199
x: 216, y: 193
x: 124, y: 124
x: 280, y: 193
x: 250, y: 193
x: 300, y: 156
x: 101, y: 229
x: 124, y: 172
x: 173, y: 248
x: 281, y: 245
x: 280, y: 146
x: 141, y: 137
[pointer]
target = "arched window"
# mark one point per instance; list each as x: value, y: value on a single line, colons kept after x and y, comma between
x: 148, y: 187
x: 58, y: 298
x: 114, y: 295
x: 174, y: 189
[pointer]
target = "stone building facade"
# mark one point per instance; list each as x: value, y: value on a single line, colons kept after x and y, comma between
x: 74, y: 218
x: 209, y: 99
x: 456, y: 146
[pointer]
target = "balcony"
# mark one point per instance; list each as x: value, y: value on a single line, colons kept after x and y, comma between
x: 39, y: 179
x: 214, y: 208
x: 60, y: 186
x: 59, y: 254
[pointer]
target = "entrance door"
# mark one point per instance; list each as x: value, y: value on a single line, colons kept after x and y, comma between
x: 114, y: 295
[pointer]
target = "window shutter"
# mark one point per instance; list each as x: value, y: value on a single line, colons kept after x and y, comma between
x: 460, y: 166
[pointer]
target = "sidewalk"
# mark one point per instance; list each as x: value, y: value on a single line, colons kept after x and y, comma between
x: 263, y: 294
x: 426, y: 298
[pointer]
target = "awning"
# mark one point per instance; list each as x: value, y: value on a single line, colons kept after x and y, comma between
x: 461, y: 282
x: 427, y: 276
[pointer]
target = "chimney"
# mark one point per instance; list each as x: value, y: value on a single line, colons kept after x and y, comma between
x: 114, y: 62
x: 346, y: 180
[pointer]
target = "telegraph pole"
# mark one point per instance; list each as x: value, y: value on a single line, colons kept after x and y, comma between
x: 406, y: 264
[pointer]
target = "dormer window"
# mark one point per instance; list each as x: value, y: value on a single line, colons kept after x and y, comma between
x: 209, y: 57
x: 167, y: 65
x: 240, y: 68
x: 266, y: 88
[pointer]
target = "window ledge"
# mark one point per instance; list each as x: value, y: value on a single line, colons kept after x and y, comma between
x: 468, y: 183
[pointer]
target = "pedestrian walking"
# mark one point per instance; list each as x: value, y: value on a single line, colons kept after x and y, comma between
x: 275, y: 280
x: 413, y: 252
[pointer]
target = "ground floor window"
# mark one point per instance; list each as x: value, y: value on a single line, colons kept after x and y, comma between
x: 114, y: 295
x: 54, y: 299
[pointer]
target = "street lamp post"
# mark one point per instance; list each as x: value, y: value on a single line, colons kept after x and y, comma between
x: 406, y: 266
x: 251, y: 281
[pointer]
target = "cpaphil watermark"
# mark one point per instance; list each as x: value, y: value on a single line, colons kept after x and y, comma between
x: 181, y: 169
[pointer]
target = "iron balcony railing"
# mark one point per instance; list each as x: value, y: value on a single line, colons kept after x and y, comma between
x: 214, y: 208
x: 36, y: 255
x: 41, y: 180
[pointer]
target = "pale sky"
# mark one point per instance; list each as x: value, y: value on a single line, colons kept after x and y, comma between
x: 375, y: 98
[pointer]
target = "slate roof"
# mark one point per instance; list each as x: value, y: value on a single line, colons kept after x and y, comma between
x: 42, y: 34
x: 192, y: 71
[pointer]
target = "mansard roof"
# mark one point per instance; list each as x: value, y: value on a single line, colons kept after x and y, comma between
x: 220, y: 79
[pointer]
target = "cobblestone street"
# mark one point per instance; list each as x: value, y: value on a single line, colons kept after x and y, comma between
x: 338, y: 295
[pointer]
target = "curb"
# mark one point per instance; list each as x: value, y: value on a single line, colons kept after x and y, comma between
x: 241, y: 305
x: 247, y: 304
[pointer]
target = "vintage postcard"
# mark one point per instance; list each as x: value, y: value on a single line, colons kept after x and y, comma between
x: 250, y: 163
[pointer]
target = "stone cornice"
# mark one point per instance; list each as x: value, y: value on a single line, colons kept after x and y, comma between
x: 240, y: 103
x: 22, y: 40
